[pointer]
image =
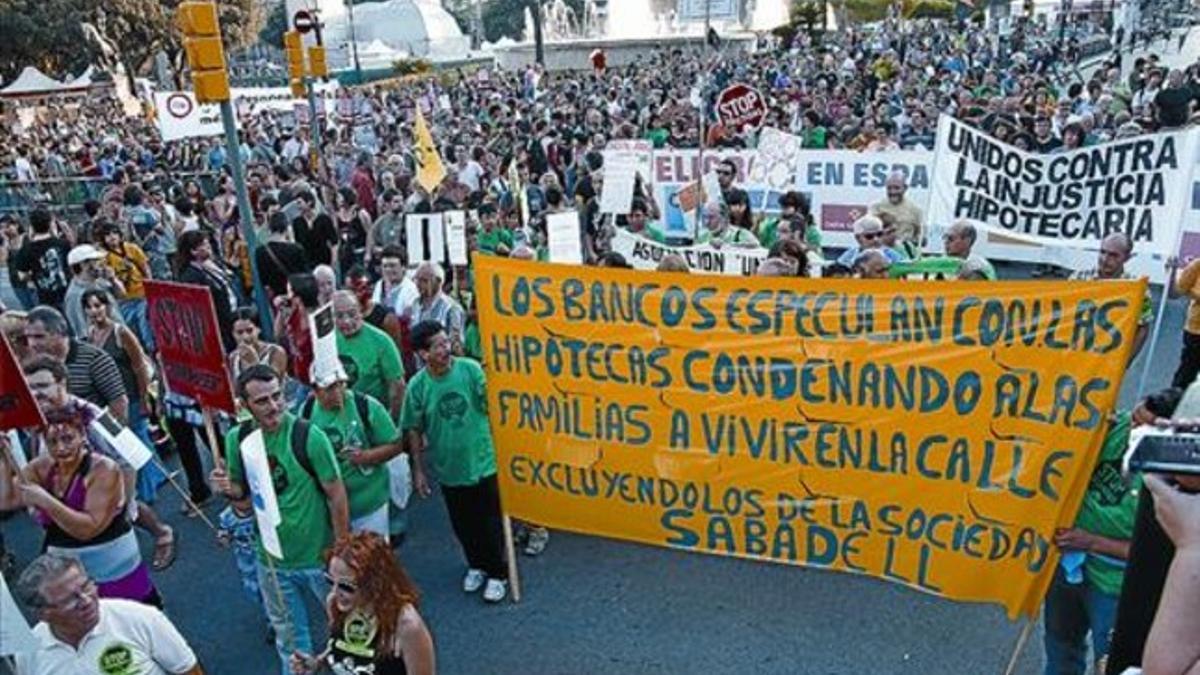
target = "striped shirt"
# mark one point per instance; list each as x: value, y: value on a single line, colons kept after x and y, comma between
x: 93, y: 375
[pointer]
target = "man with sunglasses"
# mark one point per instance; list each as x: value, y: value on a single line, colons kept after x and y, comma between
x: 868, y: 233
x: 79, y: 632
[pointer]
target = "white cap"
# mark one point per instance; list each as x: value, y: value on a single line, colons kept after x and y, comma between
x: 83, y: 253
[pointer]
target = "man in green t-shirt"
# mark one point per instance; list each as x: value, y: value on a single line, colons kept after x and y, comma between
x: 363, y: 444
x: 1083, y: 595
x: 493, y: 238
x: 368, y: 354
x: 445, y: 422
x: 311, y: 502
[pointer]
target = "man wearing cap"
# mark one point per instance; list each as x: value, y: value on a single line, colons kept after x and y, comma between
x: 868, y: 233
x: 364, y: 439
x: 89, y: 272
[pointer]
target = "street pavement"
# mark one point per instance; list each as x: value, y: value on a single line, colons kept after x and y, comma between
x: 596, y: 606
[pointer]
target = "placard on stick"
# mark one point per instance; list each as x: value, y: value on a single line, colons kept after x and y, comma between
x: 18, y: 410
x: 185, y: 327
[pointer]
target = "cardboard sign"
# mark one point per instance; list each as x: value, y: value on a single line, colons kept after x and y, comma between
x: 18, y: 410
x: 741, y: 106
x: 185, y: 327
x: 914, y: 432
x: 456, y: 236
x: 562, y: 236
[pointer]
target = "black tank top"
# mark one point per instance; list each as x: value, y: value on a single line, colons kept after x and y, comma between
x: 352, y: 649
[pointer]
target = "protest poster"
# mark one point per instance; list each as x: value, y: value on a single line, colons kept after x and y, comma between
x: 18, y: 410
x: 931, y: 434
x: 257, y: 470
x: 623, y: 161
x: 436, y: 231
x: 1139, y: 186
x: 418, y: 236
x: 324, y: 341
x: 776, y: 159
x: 645, y: 254
x: 456, y: 236
x: 122, y: 439
x: 184, y: 323
x: 180, y: 116
x: 15, y: 635
x: 562, y: 238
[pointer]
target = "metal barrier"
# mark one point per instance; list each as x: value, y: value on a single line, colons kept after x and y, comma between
x: 66, y: 196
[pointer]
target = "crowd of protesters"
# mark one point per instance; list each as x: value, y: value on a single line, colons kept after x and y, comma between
x: 329, y: 229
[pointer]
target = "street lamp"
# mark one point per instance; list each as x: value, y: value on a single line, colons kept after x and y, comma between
x: 354, y: 44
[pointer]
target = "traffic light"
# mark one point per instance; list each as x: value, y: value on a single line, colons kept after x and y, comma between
x: 205, y: 56
x: 293, y: 47
x: 316, y: 61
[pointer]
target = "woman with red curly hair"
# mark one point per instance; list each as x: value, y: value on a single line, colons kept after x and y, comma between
x: 374, y: 626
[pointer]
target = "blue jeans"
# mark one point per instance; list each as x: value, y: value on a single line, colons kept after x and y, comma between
x: 290, y: 619
x: 133, y: 313
x: 1072, y: 611
x: 150, y: 476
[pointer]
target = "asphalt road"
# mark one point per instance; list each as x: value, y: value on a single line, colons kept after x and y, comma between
x: 594, y: 605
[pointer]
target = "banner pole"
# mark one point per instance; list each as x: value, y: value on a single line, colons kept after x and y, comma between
x: 510, y: 551
x: 1148, y: 349
x: 1022, y: 638
x: 187, y: 499
x: 211, y: 433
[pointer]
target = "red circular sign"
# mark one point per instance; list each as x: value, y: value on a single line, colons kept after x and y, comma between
x: 741, y: 106
x: 303, y: 21
x: 179, y: 105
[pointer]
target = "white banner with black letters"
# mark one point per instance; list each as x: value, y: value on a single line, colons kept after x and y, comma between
x: 645, y: 254
x: 1140, y: 186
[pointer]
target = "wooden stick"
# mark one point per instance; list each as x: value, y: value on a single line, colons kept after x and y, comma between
x: 183, y: 493
x: 213, y: 444
x: 289, y: 644
x: 514, y: 575
x: 1022, y: 638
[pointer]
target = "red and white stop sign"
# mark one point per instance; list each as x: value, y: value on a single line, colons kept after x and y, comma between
x: 741, y: 106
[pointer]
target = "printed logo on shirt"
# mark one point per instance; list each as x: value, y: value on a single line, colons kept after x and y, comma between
x: 116, y: 660
x: 452, y: 406
x: 1108, y: 484
x: 351, y: 368
x: 279, y: 477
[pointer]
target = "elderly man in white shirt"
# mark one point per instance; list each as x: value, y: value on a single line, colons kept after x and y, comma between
x: 81, y: 633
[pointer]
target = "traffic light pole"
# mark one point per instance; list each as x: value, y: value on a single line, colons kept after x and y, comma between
x: 233, y: 153
x: 318, y: 133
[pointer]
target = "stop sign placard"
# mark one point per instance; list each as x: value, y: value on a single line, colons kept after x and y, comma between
x: 303, y: 21
x: 741, y: 106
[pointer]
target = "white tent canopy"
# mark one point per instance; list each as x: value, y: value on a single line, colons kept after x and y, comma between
x: 84, y: 80
x: 32, y: 81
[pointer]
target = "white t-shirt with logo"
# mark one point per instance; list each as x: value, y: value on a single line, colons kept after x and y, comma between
x: 130, y: 639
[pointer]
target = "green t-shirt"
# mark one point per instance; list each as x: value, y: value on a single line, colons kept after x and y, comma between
x: 366, y: 486
x: 768, y: 234
x: 658, y: 138
x: 371, y: 361
x: 305, y: 530
x: 1109, y: 505
x: 451, y: 410
x: 473, y: 341
x: 490, y: 240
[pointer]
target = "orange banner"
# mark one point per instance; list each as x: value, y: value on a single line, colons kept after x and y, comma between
x: 934, y: 434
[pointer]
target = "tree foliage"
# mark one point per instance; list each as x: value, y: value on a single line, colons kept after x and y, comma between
x: 275, y: 24
x: 46, y: 33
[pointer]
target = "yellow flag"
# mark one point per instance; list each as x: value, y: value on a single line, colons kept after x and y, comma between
x: 430, y: 170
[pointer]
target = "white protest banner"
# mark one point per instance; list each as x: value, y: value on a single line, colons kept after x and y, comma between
x: 562, y: 233
x: 180, y: 116
x: 645, y: 254
x: 15, y: 634
x: 456, y: 236
x: 122, y: 439
x: 841, y: 185
x: 776, y: 160
x: 262, y: 491
x: 253, y: 100
x: 324, y: 341
x: 1140, y: 186
x: 16, y: 449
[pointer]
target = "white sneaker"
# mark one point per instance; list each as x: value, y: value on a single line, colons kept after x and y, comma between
x: 473, y: 581
x: 495, y: 591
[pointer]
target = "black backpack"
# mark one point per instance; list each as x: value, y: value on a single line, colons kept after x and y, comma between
x: 360, y: 404
x: 299, y: 443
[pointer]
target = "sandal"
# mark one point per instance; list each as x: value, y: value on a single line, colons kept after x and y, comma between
x: 164, y: 552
